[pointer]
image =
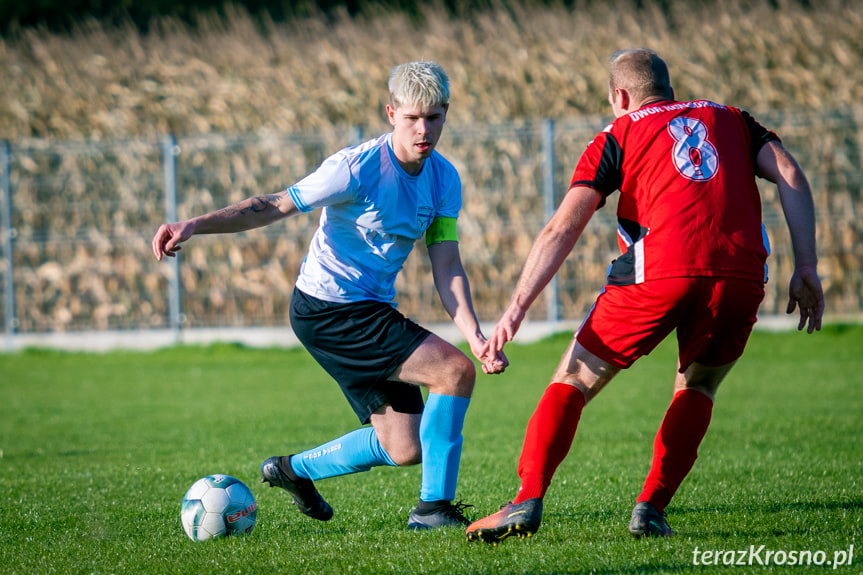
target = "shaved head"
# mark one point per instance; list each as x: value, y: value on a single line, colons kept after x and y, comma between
x: 642, y: 73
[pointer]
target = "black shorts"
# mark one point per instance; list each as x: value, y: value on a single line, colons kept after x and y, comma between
x: 360, y: 345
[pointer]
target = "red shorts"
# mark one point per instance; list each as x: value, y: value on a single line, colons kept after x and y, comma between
x: 713, y: 318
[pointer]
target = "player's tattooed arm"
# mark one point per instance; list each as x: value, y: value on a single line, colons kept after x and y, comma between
x: 255, y: 205
x: 247, y: 214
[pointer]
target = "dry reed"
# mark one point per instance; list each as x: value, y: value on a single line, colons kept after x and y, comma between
x: 83, y: 215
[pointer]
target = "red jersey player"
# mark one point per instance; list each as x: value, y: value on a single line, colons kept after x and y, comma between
x: 689, y: 225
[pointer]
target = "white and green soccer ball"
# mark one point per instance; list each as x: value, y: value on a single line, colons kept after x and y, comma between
x: 217, y: 506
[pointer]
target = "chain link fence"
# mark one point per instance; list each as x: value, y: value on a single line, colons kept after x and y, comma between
x: 77, y: 219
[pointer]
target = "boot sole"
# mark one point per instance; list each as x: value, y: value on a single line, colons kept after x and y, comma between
x: 493, y: 535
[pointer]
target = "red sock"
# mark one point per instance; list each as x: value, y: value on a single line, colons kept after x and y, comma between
x: 676, y: 446
x: 548, y: 438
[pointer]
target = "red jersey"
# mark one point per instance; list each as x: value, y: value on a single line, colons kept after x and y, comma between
x: 689, y: 205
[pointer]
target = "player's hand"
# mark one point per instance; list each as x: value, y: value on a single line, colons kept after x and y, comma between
x: 805, y: 291
x: 496, y: 363
x: 492, y: 362
x: 168, y: 237
x: 506, y: 328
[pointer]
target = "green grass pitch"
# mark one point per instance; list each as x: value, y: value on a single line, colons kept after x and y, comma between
x: 98, y: 450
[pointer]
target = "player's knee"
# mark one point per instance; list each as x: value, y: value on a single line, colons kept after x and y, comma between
x: 406, y: 454
x: 455, y: 374
x: 409, y: 458
x: 464, y: 375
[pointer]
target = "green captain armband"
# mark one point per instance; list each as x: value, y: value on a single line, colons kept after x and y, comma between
x: 441, y: 230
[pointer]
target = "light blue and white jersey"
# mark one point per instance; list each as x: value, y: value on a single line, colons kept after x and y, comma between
x: 373, y: 213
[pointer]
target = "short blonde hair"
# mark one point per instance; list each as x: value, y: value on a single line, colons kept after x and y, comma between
x: 642, y: 72
x: 418, y: 83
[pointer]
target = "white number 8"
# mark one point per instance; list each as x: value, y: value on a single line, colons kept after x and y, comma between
x: 694, y: 156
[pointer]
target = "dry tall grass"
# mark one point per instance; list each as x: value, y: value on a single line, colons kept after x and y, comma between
x: 232, y: 76
x: 84, y: 213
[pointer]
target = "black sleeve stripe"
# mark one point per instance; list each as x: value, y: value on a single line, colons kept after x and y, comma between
x: 758, y: 134
x: 607, y: 178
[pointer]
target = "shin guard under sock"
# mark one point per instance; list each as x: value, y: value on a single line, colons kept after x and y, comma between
x: 675, y: 447
x: 548, y: 438
x: 441, y: 439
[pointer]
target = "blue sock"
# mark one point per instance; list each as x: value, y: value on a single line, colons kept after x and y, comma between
x: 440, y: 435
x: 357, y: 451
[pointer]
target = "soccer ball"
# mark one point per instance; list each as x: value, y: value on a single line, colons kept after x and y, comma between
x: 216, y: 506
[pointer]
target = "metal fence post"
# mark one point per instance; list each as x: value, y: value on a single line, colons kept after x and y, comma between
x: 7, y: 236
x: 552, y: 311
x: 169, y: 152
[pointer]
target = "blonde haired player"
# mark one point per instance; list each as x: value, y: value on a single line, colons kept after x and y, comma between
x: 376, y: 199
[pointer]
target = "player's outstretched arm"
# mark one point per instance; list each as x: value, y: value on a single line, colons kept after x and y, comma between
x: 547, y: 254
x: 454, y: 290
x: 245, y: 215
x: 776, y: 164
